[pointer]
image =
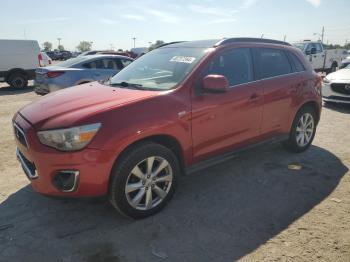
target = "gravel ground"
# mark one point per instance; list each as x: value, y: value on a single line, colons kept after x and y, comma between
x: 251, y: 208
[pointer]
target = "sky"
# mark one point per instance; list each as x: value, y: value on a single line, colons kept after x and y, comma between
x: 111, y: 24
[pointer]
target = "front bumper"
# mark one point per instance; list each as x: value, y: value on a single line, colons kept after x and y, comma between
x: 329, y: 93
x: 42, y: 165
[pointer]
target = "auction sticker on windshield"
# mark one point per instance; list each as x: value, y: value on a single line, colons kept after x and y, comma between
x: 183, y: 59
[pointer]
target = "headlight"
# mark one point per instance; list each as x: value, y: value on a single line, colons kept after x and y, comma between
x: 70, y: 139
x: 326, y: 80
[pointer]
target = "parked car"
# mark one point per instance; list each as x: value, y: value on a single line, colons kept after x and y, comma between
x: 77, y: 71
x: 18, y: 61
x: 44, y: 59
x: 320, y: 58
x: 54, y: 55
x: 336, y: 86
x: 91, y: 52
x: 66, y: 55
x: 178, y: 108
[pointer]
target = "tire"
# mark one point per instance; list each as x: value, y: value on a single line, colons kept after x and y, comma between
x: 133, y: 170
x: 18, y: 80
x: 333, y: 68
x: 298, y: 140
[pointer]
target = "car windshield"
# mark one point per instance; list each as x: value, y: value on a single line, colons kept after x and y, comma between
x: 301, y: 46
x: 161, y: 69
x: 71, y: 62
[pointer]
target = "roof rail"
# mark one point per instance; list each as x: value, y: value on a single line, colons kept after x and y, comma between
x: 170, y: 43
x: 250, y: 39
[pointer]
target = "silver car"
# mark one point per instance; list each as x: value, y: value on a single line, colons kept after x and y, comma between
x: 336, y: 86
x: 77, y: 71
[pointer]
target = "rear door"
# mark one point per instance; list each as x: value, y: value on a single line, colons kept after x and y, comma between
x: 222, y: 121
x: 278, y: 80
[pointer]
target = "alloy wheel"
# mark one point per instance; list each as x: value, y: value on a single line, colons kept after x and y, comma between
x: 148, y: 183
x: 305, y: 129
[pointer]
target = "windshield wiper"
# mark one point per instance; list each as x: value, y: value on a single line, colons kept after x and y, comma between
x: 127, y: 84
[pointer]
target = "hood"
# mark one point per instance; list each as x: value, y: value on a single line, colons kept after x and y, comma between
x: 66, y: 107
x: 342, y: 74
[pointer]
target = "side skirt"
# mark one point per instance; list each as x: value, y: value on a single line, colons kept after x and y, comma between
x: 232, y: 154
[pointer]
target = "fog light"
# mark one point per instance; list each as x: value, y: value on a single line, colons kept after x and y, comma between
x: 66, y: 180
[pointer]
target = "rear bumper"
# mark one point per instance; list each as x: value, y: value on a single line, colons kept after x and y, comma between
x: 42, y: 88
x: 42, y: 165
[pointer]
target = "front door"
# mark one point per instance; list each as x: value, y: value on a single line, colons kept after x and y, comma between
x: 223, y: 121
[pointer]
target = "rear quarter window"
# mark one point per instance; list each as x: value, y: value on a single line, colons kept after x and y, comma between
x: 272, y: 62
x: 296, y: 63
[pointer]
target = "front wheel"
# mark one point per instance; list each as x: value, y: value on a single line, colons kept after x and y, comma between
x: 144, y: 180
x: 303, y: 130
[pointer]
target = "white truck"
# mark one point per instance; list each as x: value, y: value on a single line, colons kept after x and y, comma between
x: 326, y: 60
x: 18, y: 61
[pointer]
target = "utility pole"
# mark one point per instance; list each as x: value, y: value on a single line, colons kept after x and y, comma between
x: 284, y: 38
x: 59, y: 41
x: 322, y: 35
x: 134, y: 38
x: 262, y: 36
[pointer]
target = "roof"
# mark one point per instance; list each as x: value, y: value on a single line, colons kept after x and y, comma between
x: 105, y: 55
x: 219, y: 42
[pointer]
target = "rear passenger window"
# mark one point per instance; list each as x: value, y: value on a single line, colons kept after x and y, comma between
x: 298, y: 66
x: 272, y: 62
x: 235, y: 65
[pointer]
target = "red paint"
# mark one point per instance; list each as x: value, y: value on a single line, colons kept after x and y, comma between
x: 204, y: 125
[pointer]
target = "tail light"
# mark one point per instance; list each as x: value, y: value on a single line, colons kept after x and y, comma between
x: 53, y: 74
x: 40, y: 58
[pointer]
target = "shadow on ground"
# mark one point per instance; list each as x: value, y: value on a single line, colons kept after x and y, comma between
x: 341, y: 108
x: 7, y: 90
x: 219, y: 214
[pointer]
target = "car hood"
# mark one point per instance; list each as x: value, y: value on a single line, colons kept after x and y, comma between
x: 70, y: 106
x: 342, y: 74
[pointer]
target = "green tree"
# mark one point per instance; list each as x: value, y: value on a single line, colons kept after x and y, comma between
x: 60, y: 48
x: 84, y: 46
x: 156, y: 44
x: 47, y: 46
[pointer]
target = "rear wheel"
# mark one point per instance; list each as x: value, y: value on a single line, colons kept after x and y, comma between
x: 144, y: 180
x: 303, y: 130
x: 17, y: 80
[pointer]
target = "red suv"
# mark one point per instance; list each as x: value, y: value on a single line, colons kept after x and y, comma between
x: 173, y: 110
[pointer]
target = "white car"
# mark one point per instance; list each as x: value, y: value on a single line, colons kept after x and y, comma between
x: 336, y: 86
x: 345, y: 62
x: 18, y: 61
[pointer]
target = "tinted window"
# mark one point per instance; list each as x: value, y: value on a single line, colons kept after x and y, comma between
x: 105, y: 63
x: 298, y: 66
x: 235, y: 65
x: 317, y: 46
x: 272, y: 62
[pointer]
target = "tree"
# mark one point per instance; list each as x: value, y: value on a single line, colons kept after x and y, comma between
x: 60, y: 48
x: 84, y: 46
x: 156, y: 44
x: 47, y: 46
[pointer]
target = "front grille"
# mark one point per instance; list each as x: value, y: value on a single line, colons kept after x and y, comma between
x: 341, y: 88
x: 20, y: 135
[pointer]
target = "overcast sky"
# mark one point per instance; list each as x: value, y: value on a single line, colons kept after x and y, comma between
x: 109, y: 23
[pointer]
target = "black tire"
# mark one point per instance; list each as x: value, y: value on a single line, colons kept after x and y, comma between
x: 333, y: 68
x: 291, y: 144
x: 121, y: 174
x: 18, y: 80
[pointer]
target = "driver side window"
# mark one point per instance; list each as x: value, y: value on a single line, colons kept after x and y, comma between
x: 234, y: 64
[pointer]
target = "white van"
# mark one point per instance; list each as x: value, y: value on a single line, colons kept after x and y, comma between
x: 18, y: 61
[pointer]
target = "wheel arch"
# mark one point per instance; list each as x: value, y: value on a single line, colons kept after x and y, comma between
x: 315, y: 106
x: 167, y: 141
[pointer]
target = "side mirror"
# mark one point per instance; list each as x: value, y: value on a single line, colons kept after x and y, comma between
x: 215, y: 84
x: 313, y: 50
